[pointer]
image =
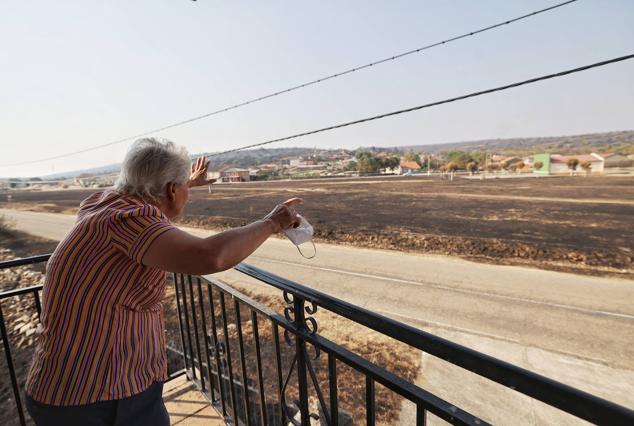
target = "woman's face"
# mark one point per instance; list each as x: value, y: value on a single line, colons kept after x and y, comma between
x: 174, y: 201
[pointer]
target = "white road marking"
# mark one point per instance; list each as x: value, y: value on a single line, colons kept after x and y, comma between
x: 457, y: 290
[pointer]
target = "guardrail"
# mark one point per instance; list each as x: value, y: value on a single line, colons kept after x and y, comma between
x: 233, y: 352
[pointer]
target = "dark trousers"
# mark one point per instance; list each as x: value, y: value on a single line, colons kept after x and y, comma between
x: 145, y: 408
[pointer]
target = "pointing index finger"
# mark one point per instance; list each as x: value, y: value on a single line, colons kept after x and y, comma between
x: 293, y: 202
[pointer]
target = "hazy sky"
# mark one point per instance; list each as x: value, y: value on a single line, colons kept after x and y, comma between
x: 80, y: 73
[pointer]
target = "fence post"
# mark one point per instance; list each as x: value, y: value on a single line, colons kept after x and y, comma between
x: 302, y: 382
x: 14, y: 379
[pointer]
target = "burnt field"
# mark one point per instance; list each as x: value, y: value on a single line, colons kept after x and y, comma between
x: 574, y: 224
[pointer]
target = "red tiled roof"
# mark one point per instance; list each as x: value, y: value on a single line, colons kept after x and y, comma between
x: 410, y: 165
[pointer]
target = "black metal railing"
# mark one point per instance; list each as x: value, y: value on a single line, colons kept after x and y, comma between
x: 233, y: 352
x: 33, y: 291
x: 300, y: 331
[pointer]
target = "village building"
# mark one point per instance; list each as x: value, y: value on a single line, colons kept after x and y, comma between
x: 509, y: 161
x: 213, y: 175
x: 616, y: 160
x: 553, y: 164
x: 268, y: 166
x: 234, y: 175
x: 407, y: 167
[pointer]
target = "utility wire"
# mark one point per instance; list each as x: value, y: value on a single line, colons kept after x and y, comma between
x: 432, y: 104
x: 300, y: 86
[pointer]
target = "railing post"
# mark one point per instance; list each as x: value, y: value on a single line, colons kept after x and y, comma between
x: 180, y: 320
x: 10, y: 366
x: 300, y: 323
x: 216, y: 344
x: 196, y: 333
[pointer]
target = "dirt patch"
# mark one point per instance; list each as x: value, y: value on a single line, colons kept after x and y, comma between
x: 574, y: 224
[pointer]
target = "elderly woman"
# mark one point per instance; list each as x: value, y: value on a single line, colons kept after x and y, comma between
x: 100, y: 355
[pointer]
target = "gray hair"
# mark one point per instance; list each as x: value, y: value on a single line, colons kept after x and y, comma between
x: 151, y: 164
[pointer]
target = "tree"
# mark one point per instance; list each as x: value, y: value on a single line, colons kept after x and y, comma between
x: 519, y: 166
x: 367, y: 163
x: 351, y: 166
x: 451, y: 167
x: 538, y: 165
x: 572, y: 164
x: 390, y: 162
x: 472, y: 167
x: 586, y: 166
x: 462, y: 158
x: 504, y: 165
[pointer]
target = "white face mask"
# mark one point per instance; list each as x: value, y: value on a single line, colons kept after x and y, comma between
x: 300, y: 235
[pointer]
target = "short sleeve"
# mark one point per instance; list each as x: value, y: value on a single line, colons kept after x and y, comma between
x: 134, y: 230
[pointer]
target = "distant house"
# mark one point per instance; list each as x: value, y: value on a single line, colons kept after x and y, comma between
x: 18, y: 184
x: 558, y: 164
x: 269, y: 166
x: 617, y: 160
x: 408, y: 167
x: 496, y: 158
x: 234, y: 175
x: 213, y: 175
x: 511, y: 160
x: 544, y: 161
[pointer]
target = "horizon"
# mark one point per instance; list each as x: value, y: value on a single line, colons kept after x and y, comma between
x: 400, y: 147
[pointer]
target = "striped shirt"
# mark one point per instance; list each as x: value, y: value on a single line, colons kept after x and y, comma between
x: 101, y: 334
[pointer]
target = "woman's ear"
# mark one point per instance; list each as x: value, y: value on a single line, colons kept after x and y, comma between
x: 170, y: 191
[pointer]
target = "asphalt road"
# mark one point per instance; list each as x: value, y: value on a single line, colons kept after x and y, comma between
x: 573, y: 328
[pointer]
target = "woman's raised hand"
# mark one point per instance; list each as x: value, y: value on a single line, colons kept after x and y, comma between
x: 199, y: 173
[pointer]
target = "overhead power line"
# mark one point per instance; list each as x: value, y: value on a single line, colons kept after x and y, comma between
x: 299, y: 86
x: 432, y: 104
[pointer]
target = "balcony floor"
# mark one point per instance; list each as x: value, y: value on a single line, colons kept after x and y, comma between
x: 186, y: 406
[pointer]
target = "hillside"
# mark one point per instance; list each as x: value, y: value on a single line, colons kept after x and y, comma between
x: 233, y: 159
x: 621, y: 141
x: 252, y: 157
x: 592, y: 142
